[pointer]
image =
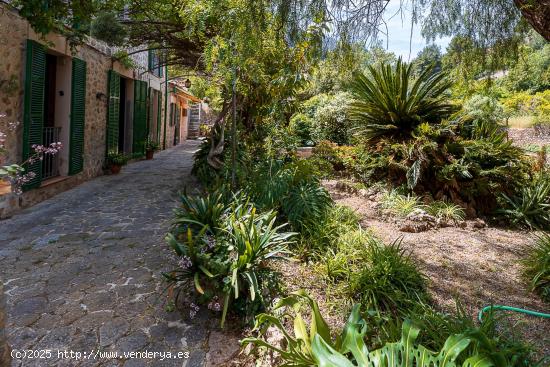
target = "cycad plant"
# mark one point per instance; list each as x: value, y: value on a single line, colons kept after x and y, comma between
x: 389, y: 101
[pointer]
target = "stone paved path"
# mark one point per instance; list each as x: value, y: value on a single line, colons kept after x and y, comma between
x: 83, y: 269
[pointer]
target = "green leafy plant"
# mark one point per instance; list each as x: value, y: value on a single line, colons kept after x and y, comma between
x: 398, y: 204
x: 223, y: 250
x: 537, y: 266
x: 484, y: 108
x: 306, y: 203
x: 291, y: 187
x: 391, y: 102
x: 118, y: 159
x: 317, y: 238
x: 151, y: 145
x: 388, y: 280
x: 531, y: 206
x: 317, y: 347
x: 124, y: 59
x: 255, y: 239
x: 202, y: 261
x: 301, y: 126
x: 446, y: 211
x: 201, y: 211
x: 108, y: 28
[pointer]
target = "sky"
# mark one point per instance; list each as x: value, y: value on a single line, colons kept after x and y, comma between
x: 398, y: 39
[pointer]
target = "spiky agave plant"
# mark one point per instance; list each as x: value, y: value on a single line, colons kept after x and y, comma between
x: 389, y: 101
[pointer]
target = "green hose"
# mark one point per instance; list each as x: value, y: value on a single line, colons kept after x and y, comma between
x: 515, y: 309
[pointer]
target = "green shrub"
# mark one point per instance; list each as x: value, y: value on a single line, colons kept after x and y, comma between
x: 291, y: 187
x: 466, y: 164
x: 391, y: 102
x: 319, y: 347
x: 519, y: 104
x: 318, y: 237
x: 204, y: 172
x: 389, y: 280
x: 331, y: 121
x: 326, y: 153
x: 107, y: 27
x: 484, y: 108
x: 306, y: 204
x: 531, y: 206
x: 537, y: 266
x: 301, y: 125
x: 346, y: 256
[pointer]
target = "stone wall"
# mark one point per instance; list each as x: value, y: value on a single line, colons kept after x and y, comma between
x: 14, y: 32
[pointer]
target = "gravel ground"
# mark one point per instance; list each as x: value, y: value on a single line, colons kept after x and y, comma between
x: 480, y: 267
x: 527, y: 136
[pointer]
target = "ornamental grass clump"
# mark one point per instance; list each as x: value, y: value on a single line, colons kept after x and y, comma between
x: 388, y: 281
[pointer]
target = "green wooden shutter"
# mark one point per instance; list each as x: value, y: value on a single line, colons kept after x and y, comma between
x: 113, y: 113
x: 140, y: 117
x: 78, y: 116
x: 159, y: 104
x: 33, y: 115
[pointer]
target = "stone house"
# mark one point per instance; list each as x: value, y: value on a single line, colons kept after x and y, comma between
x: 181, y: 103
x: 82, y: 97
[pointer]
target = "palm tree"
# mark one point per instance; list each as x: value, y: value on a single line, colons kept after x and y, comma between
x: 390, y: 102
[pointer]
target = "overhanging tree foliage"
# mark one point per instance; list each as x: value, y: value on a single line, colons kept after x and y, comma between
x: 270, y: 44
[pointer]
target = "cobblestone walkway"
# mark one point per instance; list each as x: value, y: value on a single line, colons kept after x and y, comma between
x: 83, y: 269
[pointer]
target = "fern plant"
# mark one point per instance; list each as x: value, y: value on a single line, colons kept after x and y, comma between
x: 317, y: 347
x: 391, y: 102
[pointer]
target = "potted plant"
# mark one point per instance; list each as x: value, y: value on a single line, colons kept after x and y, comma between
x: 150, y: 147
x: 115, y: 161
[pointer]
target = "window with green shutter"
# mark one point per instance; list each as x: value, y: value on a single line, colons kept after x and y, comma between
x: 159, y: 103
x: 113, y: 113
x: 140, y: 117
x: 78, y: 112
x: 33, y: 115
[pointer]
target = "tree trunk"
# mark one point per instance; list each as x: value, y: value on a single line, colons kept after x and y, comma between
x: 216, y: 148
x: 537, y: 14
x: 5, y: 359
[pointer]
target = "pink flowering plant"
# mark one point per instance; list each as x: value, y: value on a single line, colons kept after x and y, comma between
x: 17, y: 174
x: 225, y: 256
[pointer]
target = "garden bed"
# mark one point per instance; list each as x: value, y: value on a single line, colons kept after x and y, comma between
x: 479, y: 266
